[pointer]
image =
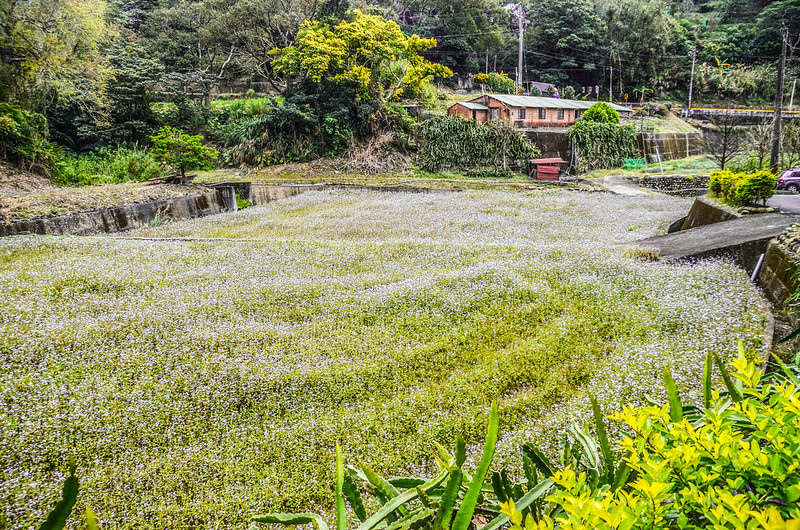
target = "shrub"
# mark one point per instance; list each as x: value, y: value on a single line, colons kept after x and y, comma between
x: 601, y: 112
x: 600, y: 144
x: 742, y: 188
x: 274, y: 132
x: 501, y: 83
x: 106, y: 166
x: 456, y: 143
x: 731, y: 465
x: 715, y: 181
x: 182, y: 151
x: 758, y: 186
x: 23, y: 137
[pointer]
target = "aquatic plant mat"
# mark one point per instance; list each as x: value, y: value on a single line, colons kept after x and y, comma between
x: 200, y: 381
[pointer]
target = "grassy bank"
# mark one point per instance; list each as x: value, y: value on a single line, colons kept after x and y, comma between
x: 199, y: 381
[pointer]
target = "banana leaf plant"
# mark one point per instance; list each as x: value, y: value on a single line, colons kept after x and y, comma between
x: 448, y: 501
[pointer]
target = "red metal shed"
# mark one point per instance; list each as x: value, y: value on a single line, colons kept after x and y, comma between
x: 547, y: 168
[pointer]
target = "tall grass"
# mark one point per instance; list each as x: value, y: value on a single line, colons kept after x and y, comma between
x: 106, y: 166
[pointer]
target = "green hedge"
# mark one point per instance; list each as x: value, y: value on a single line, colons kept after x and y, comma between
x: 742, y: 188
x: 602, y: 145
x: 459, y: 144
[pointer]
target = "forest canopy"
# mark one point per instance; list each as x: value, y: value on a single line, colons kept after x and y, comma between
x: 109, y: 73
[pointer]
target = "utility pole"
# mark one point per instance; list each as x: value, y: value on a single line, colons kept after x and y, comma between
x: 611, y: 84
x: 791, y: 98
x: 691, y: 79
x: 516, y: 10
x: 776, y: 123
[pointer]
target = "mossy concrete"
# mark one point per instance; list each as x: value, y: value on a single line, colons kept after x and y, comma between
x: 118, y: 218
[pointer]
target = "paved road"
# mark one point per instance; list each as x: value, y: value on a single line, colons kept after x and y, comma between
x: 787, y: 203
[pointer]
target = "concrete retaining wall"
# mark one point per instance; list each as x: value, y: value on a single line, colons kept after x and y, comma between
x: 777, y: 274
x: 670, y: 146
x: 653, y: 146
x: 552, y: 144
x: 119, y: 218
x: 703, y: 212
x: 263, y: 193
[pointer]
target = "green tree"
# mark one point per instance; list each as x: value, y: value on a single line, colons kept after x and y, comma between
x: 641, y: 42
x: 601, y: 112
x: 563, y: 43
x: 52, y: 52
x: 182, y: 151
x: 467, y: 31
x: 366, y: 53
x: 500, y: 83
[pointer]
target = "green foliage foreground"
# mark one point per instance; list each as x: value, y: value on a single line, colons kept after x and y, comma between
x: 729, y: 464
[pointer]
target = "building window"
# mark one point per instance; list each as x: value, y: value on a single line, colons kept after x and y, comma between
x: 522, y: 114
x: 542, y: 114
x: 578, y: 114
x: 560, y: 114
x: 493, y: 112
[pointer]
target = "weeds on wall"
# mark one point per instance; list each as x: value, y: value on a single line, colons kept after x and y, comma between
x: 459, y: 144
x: 600, y: 145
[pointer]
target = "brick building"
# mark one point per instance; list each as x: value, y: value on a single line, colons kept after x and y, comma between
x: 527, y: 112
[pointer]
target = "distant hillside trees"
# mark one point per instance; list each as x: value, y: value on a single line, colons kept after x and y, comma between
x: 52, y: 52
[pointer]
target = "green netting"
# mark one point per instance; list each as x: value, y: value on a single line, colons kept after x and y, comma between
x: 634, y: 163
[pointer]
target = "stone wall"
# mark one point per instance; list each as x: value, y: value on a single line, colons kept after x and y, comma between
x: 777, y: 276
x: 118, y: 218
x: 687, y: 185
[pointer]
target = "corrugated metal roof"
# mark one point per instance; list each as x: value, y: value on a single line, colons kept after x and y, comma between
x: 549, y: 103
x: 472, y: 106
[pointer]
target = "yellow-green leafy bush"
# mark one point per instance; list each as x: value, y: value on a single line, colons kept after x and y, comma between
x: 715, y: 181
x: 742, y: 188
x: 732, y: 465
x: 758, y: 186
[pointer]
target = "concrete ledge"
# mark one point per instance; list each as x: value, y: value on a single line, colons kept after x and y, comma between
x: 743, y: 239
x: 264, y: 193
x: 118, y: 218
x: 704, y: 212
